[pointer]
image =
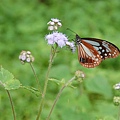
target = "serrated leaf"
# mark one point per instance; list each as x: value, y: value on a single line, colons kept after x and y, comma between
x: 5, y: 75
x: 12, y: 84
x: 8, y: 81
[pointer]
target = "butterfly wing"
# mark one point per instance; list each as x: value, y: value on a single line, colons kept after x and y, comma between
x: 104, y: 48
x: 91, y: 51
x: 88, y: 55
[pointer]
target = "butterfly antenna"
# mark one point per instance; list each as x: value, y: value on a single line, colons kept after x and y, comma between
x: 71, y: 30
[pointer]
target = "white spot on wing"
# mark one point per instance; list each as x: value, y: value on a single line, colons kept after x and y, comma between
x: 105, y: 44
x: 105, y: 54
x: 103, y: 50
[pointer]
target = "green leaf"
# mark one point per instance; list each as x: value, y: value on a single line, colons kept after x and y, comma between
x: 5, y: 75
x: 99, y: 85
x: 12, y: 84
x: 8, y: 81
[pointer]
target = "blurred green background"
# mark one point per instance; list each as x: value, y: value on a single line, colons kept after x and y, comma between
x: 23, y: 26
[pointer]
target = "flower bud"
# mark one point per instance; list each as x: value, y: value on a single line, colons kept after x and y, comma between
x: 116, y: 100
x: 79, y: 74
x: 25, y: 56
x: 54, y: 24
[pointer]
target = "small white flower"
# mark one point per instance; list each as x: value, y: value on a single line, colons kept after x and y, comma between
x: 28, y: 52
x: 55, y: 20
x: 117, y: 86
x: 51, y: 28
x: 23, y: 57
x: 59, y: 24
x: 28, y: 60
x: 55, y: 27
x: 20, y: 57
x: 54, y: 24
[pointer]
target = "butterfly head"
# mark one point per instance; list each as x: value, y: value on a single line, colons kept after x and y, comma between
x: 78, y: 39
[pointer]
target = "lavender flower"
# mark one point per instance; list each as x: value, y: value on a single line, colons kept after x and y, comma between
x: 56, y: 37
x: 59, y: 38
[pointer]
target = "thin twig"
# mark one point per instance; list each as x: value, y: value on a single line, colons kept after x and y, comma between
x: 11, y: 102
x: 39, y: 88
x: 58, y: 95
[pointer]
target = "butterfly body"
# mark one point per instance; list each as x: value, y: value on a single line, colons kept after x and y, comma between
x: 92, y: 51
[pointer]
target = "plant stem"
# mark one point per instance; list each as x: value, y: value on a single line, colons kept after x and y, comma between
x: 52, y: 55
x: 58, y: 95
x: 119, y: 112
x: 13, y: 111
x: 39, y: 88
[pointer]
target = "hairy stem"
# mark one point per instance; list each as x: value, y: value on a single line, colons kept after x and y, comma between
x: 37, y: 81
x: 11, y: 102
x: 119, y: 112
x: 52, y: 55
x: 58, y: 96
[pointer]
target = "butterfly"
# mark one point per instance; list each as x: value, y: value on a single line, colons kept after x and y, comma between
x: 92, y: 51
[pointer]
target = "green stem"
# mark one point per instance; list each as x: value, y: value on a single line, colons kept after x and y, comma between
x: 58, y: 95
x: 13, y: 111
x: 39, y: 88
x: 119, y: 112
x: 52, y: 55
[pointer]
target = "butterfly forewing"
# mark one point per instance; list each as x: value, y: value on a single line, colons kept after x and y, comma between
x: 88, y: 56
x: 105, y: 48
x: 92, y: 51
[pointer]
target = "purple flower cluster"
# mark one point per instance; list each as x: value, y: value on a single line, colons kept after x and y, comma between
x: 60, y: 39
x: 57, y: 37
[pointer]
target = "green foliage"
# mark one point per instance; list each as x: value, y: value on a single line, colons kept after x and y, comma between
x: 99, y: 85
x: 8, y: 81
x: 23, y: 27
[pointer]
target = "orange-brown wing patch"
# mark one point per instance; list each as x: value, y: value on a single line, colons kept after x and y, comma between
x: 88, y: 56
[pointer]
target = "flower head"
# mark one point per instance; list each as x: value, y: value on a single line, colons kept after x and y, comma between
x: 116, y: 86
x: 25, y: 56
x: 54, y: 24
x: 56, y: 37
